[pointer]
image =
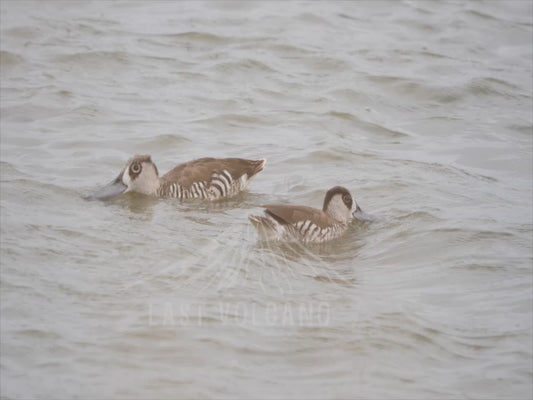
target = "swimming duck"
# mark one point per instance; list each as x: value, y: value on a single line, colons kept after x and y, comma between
x: 308, y: 224
x: 204, y: 178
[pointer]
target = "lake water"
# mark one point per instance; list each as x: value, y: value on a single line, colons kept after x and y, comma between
x: 422, y: 109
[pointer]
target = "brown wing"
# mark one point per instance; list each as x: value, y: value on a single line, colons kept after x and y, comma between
x: 294, y: 214
x: 201, y: 170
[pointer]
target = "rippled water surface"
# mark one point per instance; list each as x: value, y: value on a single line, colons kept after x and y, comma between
x: 422, y: 109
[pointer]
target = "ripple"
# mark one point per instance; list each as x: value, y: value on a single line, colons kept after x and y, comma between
x: 26, y: 33
x: 420, y: 90
x: 9, y: 172
x: 30, y: 112
x: 526, y: 129
x: 491, y: 87
x: 199, y: 37
x: 165, y: 141
x: 367, y: 126
x: 95, y: 58
x: 313, y: 19
x: 235, y: 120
x: 9, y: 59
x: 243, y: 66
x: 287, y: 50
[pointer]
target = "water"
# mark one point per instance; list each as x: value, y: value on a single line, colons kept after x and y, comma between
x: 422, y: 109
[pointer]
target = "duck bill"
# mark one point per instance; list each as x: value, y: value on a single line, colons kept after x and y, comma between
x: 111, y: 190
x: 362, y: 216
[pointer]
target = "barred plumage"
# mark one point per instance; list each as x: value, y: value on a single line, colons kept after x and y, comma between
x: 222, y: 185
x: 307, y: 224
x: 310, y: 232
x: 197, y: 190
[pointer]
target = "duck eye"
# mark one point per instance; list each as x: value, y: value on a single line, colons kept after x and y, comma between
x: 347, y: 199
x: 135, y: 168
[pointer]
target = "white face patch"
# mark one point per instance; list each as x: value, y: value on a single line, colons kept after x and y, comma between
x: 338, y: 210
x: 126, y: 179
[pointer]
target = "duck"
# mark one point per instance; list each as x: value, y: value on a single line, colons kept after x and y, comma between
x: 305, y: 224
x: 204, y: 178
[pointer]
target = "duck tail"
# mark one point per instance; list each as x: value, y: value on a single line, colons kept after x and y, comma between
x: 257, y: 166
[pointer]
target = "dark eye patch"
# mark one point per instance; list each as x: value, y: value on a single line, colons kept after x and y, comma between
x: 347, y: 200
x: 135, y: 169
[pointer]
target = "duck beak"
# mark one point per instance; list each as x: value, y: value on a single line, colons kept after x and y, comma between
x: 110, y: 190
x: 362, y: 216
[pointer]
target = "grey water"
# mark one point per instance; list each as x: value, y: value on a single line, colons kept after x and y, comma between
x: 422, y: 109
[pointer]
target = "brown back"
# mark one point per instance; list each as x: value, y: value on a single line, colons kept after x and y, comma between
x: 289, y: 215
x: 201, y: 170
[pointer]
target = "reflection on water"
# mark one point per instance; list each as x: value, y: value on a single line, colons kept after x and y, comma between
x: 422, y: 110
x: 136, y: 203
